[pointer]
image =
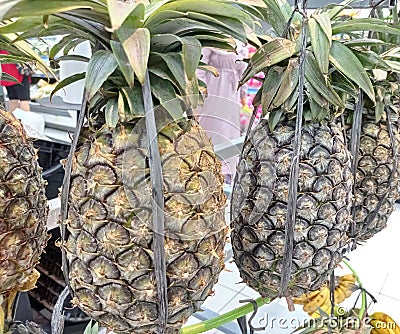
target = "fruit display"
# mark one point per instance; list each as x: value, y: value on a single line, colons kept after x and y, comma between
x: 298, y: 191
x: 110, y: 244
x: 23, y: 213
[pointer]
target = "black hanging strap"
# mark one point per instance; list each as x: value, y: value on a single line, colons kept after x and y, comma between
x: 156, y: 179
x: 354, y: 149
x: 294, y: 170
x: 65, y: 189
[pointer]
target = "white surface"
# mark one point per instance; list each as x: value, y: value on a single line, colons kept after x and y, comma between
x: 33, y: 123
x: 54, y: 212
x: 73, y: 93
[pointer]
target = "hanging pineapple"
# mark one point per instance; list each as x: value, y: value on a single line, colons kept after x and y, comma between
x: 110, y: 240
x: 263, y: 248
x: 377, y: 156
x: 23, y: 211
x: 377, y: 164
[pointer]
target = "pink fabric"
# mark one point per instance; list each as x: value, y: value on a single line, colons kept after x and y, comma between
x: 10, y: 69
x: 220, y: 115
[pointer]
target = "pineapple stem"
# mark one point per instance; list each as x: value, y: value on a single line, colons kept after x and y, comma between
x: 363, y: 293
x: 223, y: 318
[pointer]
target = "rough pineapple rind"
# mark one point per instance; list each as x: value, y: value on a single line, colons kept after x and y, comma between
x: 23, y: 205
x: 110, y: 243
x: 260, y: 205
x: 376, y: 162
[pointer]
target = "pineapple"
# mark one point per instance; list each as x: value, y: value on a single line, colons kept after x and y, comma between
x: 377, y: 178
x: 260, y: 200
x: 324, y: 189
x: 23, y: 210
x: 109, y: 242
x: 377, y: 160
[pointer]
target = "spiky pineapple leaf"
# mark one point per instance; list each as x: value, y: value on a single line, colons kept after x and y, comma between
x: 269, y: 54
x: 67, y: 81
x: 21, y: 24
x: 7, y: 58
x: 288, y: 84
x: 315, y: 77
x: 74, y: 58
x: 181, y: 27
x: 393, y: 52
x: 101, y: 66
x: 363, y: 24
x: 324, y: 22
x: 346, y: 62
x: 270, y: 86
x: 57, y: 47
x: 137, y: 50
x: 334, y: 10
x: 274, y: 117
x: 162, y: 16
x: 165, y: 93
x: 119, y: 11
x: 228, y: 25
x: 370, y: 60
x: 22, y: 8
x: 314, y: 95
x: 393, y: 65
x: 320, y: 44
x: 364, y: 42
x: 191, y: 52
x: 213, y: 7
x: 291, y: 102
x: 175, y: 64
x: 342, y: 84
x: 25, y: 48
x: 134, y: 98
x: 7, y: 77
x: 123, y: 62
x: 277, y: 14
x: 59, y: 28
x: 111, y: 113
x: 210, y: 69
x: 162, y: 42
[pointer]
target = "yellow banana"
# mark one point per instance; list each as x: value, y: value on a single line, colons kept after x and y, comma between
x: 384, y: 324
x: 316, y: 302
x: 348, y: 277
x: 339, y: 295
x: 304, y: 299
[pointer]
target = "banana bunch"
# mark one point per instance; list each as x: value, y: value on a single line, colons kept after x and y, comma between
x: 383, y: 324
x: 41, y: 89
x: 344, y: 287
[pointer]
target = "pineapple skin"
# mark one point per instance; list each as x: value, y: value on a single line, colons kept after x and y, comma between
x: 259, y: 204
x: 109, y: 248
x: 23, y: 206
x: 376, y: 162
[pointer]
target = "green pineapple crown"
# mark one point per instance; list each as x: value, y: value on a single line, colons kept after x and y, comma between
x: 338, y: 63
x: 163, y: 37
